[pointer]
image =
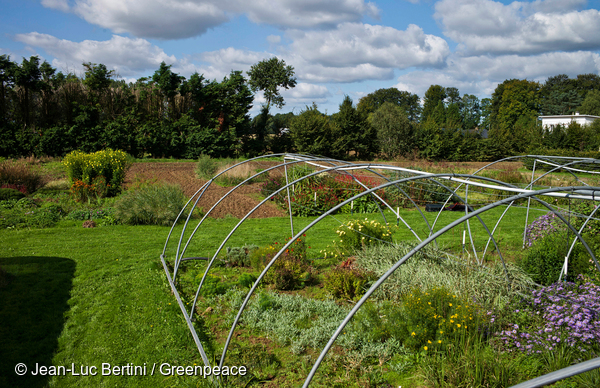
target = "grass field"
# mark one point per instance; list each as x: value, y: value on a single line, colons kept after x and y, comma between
x: 92, y: 296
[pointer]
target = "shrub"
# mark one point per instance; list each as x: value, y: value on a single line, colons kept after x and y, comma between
x: 544, y: 260
x: 435, y: 317
x: 206, y: 167
x: 20, y: 177
x: 150, y: 205
x: 560, y: 314
x: 8, y: 194
x: 109, y: 164
x: 239, y: 256
x: 542, y: 227
x: 357, y: 234
x: 346, y: 281
x: 291, y: 270
x: 212, y: 285
x: 25, y: 213
x: 246, y: 280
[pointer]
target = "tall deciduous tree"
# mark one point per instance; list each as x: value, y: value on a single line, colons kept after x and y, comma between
x: 394, y: 130
x: 406, y: 100
x: 591, y: 104
x: 269, y: 76
x: 312, y: 132
x: 433, y: 96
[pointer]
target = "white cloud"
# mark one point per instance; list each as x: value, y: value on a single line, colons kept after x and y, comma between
x: 127, y: 56
x: 356, y: 44
x: 486, y: 26
x: 306, y: 13
x: 176, y: 19
x: 480, y: 75
x: 173, y: 19
x: 274, y: 39
x: 60, y: 5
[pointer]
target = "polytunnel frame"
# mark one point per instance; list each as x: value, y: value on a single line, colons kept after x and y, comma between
x: 348, y: 167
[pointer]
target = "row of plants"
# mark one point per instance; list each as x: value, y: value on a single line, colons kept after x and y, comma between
x: 439, y: 320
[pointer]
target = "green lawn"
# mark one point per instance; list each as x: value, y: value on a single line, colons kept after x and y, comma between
x: 93, y: 296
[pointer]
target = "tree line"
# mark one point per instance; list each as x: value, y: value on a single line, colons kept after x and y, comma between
x: 46, y: 112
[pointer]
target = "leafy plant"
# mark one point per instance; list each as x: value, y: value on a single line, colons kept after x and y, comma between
x: 150, y: 205
x: 357, y: 234
x: 560, y: 314
x: 8, y: 194
x: 239, y: 256
x: 206, y: 167
x: 346, y: 281
x: 109, y: 164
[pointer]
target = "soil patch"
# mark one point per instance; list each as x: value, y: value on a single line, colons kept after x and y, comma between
x: 237, y: 204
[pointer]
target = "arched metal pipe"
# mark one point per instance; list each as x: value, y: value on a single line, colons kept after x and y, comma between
x: 384, y: 277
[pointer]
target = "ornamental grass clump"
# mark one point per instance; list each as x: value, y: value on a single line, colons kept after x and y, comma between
x: 562, y: 314
x: 151, y: 205
x: 16, y: 175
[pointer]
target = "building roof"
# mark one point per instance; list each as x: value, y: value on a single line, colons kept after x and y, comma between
x: 568, y: 116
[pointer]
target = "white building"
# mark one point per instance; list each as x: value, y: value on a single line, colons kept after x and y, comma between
x: 550, y: 122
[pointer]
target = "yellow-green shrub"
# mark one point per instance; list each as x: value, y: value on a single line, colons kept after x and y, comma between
x: 356, y: 234
x: 108, y: 163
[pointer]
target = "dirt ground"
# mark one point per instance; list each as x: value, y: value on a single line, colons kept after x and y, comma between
x: 237, y: 204
x: 245, y: 198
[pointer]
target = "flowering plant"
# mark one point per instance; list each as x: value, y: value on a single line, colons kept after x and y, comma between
x: 560, y: 314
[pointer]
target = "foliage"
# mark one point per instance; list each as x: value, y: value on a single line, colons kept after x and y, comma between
x: 206, y: 167
x: 562, y: 314
x: 8, y: 194
x: 246, y: 280
x: 151, y: 205
x: 312, y: 132
x: 291, y: 270
x: 434, y: 317
x: 543, y: 226
x: 346, y: 281
x: 87, y: 167
x: 239, y: 256
x: 409, y: 102
x: 212, y: 285
x: 487, y: 285
x: 269, y: 75
x: 25, y: 213
x: 353, y: 133
x: 357, y: 234
x: 18, y: 176
x: 544, y: 260
x: 394, y: 131
x: 591, y: 104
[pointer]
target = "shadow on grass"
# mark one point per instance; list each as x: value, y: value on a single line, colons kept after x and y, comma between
x: 34, y: 294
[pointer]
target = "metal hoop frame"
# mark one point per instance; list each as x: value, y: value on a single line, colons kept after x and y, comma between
x: 327, y: 165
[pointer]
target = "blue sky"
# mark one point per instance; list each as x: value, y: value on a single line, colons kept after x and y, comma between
x: 337, y: 47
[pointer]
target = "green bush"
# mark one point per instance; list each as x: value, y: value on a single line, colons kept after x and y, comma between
x: 150, y: 205
x: 292, y: 269
x: 239, y: 256
x: 212, y: 285
x: 435, y: 317
x: 206, y: 167
x: 25, y: 213
x: 18, y: 176
x: 346, y: 281
x: 87, y: 168
x: 246, y: 280
x: 357, y: 234
x: 8, y: 194
x: 545, y: 258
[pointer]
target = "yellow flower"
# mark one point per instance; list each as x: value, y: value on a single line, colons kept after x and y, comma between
x: 413, y: 334
x: 425, y: 347
x: 458, y: 325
